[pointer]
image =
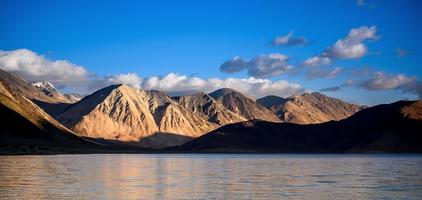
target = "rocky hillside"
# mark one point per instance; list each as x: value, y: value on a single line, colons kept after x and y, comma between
x: 391, y: 128
x: 154, y: 119
x: 43, y: 94
x: 23, y: 122
x: 25, y: 89
x: 48, y: 89
x: 205, y: 106
x: 242, y: 105
x: 127, y: 114
x: 309, y: 108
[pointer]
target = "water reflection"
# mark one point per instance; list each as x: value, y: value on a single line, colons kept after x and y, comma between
x: 210, y: 176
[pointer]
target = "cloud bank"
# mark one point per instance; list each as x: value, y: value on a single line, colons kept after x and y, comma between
x: 33, y: 67
x: 181, y: 84
x: 378, y: 81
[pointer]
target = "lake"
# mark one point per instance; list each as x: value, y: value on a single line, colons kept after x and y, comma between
x: 211, y: 176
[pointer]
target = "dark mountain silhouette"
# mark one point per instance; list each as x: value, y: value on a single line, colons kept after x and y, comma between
x: 392, y: 128
x: 23, y: 122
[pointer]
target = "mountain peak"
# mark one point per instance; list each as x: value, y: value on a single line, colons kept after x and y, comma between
x: 44, y: 85
x: 242, y: 105
x: 48, y: 89
x: 223, y: 91
x: 124, y: 113
x: 310, y: 108
x: 204, y: 105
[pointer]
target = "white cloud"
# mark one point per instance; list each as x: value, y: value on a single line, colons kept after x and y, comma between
x: 175, y: 83
x: 33, y: 67
x: 262, y: 66
x: 130, y: 79
x: 253, y: 87
x: 316, y: 61
x: 289, y: 40
x: 382, y: 81
x: 350, y: 47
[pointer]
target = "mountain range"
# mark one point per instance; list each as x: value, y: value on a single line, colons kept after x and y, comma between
x: 393, y: 128
x: 223, y: 120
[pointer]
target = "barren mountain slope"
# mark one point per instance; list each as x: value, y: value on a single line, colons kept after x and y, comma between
x: 204, y: 105
x: 25, y: 89
x: 128, y: 114
x: 390, y: 128
x: 242, y: 105
x: 22, y: 121
x: 311, y: 108
x: 115, y: 112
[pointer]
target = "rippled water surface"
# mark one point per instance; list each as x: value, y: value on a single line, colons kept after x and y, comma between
x: 211, y: 177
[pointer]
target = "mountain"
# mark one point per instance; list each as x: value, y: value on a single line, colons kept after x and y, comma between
x: 48, y: 89
x: 29, y: 91
x: 271, y: 100
x: 24, y: 123
x: 242, y: 105
x: 309, y: 108
x: 390, y: 128
x: 205, y: 106
x: 43, y: 94
x: 128, y: 114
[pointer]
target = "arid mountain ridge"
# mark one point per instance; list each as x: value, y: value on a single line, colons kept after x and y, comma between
x: 153, y: 119
x: 309, y: 108
x: 392, y: 128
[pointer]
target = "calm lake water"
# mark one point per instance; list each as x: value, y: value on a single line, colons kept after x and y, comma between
x: 211, y: 177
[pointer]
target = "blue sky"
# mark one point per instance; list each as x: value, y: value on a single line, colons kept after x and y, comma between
x: 194, y: 38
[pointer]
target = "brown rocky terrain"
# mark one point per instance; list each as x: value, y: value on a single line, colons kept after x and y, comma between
x: 309, y: 108
x: 128, y: 114
x: 23, y: 122
x: 205, y: 106
x: 49, y: 90
x: 242, y: 105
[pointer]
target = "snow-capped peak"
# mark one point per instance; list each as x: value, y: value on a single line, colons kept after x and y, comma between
x: 47, y: 88
x: 44, y: 85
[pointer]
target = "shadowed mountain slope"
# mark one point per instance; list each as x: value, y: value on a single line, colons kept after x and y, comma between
x: 23, y: 122
x: 391, y: 128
